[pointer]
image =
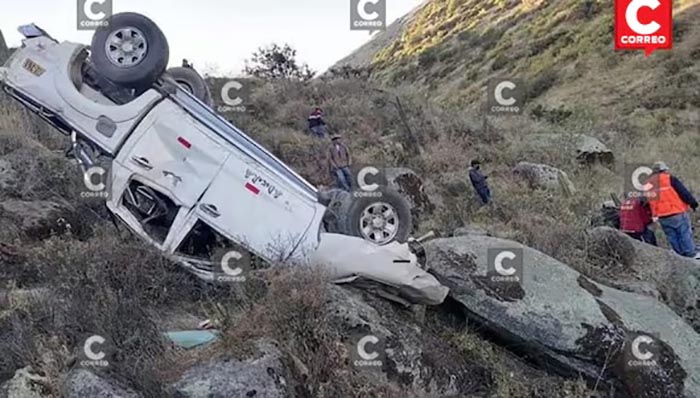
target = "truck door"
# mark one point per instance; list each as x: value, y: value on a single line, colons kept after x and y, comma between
x: 254, y: 208
x: 171, y: 152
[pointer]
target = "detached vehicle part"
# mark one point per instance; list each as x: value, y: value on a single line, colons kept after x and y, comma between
x: 190, y: 183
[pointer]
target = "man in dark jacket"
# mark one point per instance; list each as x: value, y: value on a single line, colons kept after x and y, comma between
x: 479, y: 182
x: 316, y: 123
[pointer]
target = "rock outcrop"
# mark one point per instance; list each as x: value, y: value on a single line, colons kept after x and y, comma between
x: 635, y: 266
x: 565, y: 321
x: 542, y: 176
x: 263, y: 375
x: 81, y: 383
x: 25, y: 384
x: 586, y: 149
x: 416, y: 361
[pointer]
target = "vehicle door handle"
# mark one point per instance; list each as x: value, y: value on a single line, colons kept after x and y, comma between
x: 143, y: 162
x: 176, y: 178
x: 210, y: 210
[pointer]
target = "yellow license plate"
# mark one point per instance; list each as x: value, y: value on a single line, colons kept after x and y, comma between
x: 33, y: 68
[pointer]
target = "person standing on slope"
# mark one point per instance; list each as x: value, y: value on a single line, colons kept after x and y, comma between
x: 316, y: 123
x: 340, y: 162
x: 478, y: 180
x: 670, y: 202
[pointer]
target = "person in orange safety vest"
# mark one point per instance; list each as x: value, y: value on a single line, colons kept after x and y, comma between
x: 670, y: 201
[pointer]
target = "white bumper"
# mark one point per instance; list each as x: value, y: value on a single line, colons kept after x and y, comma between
x: 347, y: 257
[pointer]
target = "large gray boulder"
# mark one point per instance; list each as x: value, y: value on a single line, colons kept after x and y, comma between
x: 567, y: 322
x: 81, y: 383
x: 586, y: 149
x: 631, y: 265
x: 542, y: 176
x: 591, y: 150
x: 261, y: 376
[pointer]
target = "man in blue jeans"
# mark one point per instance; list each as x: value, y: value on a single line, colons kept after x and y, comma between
x: 670, y: 202
x: 340, y: 162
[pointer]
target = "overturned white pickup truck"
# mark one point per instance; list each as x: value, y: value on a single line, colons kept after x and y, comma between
x: 185, y: 179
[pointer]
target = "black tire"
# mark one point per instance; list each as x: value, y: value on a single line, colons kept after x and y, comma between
x: 337, y: 203
x: 191, y: 81
x: 351, y: 213
x: 151, y: 64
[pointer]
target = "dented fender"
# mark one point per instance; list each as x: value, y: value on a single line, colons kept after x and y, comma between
x: 348, y: 257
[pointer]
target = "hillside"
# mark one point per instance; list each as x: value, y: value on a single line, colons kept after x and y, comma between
x: 561, y: 49
x: 564, y: 330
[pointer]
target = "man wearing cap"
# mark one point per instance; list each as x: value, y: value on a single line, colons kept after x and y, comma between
x: 340, y: 162
x: 669, y: 201
x: 478, y: 180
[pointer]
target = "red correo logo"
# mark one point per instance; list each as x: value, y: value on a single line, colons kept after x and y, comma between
x: 643, y: 25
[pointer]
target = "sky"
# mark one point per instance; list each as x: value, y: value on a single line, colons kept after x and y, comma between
x: 217, y: 34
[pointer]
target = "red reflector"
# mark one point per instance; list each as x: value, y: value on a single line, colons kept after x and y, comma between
x: 252, y: 188
x: 184, y: 142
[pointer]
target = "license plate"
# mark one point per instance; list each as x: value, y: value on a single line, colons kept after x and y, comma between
x: 33, y: 68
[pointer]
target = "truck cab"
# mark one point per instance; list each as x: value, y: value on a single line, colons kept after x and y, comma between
x: 183, y: 167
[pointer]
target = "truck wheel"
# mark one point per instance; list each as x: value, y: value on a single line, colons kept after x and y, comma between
x: 191, y: 81
x: 380, y: 220
x: 131, y: 51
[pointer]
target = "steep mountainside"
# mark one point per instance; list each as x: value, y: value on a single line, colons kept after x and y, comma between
x: 563, y: 52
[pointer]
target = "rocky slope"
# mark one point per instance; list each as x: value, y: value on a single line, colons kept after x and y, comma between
x: 569, y: 327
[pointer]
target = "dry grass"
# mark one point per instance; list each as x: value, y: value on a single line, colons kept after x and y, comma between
x: 98, y: 287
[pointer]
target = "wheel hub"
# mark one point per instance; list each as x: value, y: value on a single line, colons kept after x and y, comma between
x: 126, y: 47
x: 379, y: 223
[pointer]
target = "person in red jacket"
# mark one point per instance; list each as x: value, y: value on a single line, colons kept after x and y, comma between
x: 635, y: 220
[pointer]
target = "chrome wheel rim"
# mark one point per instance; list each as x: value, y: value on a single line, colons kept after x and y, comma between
x: 379, y: 223
x: 126, y: 47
